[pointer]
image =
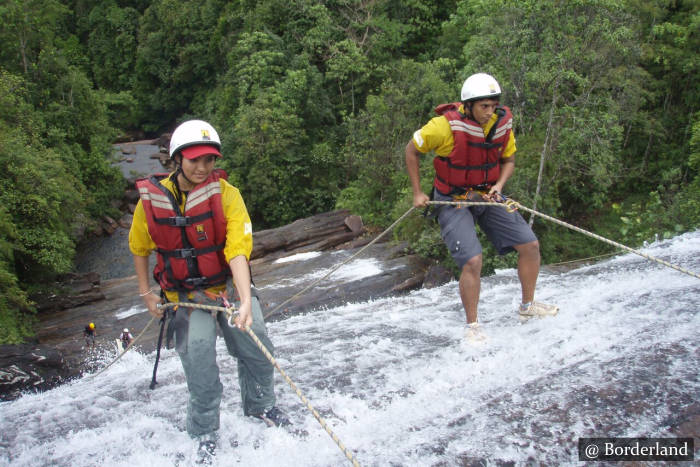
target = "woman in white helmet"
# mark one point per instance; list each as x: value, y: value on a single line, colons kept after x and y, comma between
x: 474, y: 149
x: 200, y: 229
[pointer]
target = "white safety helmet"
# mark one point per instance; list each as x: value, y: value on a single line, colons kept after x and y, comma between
x: 126, y: 330
x: 195, y: 133
x: 480, y: 86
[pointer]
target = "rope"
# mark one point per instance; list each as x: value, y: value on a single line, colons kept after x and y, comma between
x: 578, y: 260
x: 294, y: 297
x: 348, y: 454
x: 512, y: 205
x: 231, y: 312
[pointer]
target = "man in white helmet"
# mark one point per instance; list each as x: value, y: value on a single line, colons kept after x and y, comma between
x: 126, y: 338
x: 474, y: 148
x: 198, y: 225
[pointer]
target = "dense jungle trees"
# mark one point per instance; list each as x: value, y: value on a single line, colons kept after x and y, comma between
x: 315, y: 101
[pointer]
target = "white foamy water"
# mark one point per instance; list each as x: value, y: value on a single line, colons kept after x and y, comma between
x: 299, y: 257
x: 358, y: 268
x: 397, y: 385
x: 134, y: 310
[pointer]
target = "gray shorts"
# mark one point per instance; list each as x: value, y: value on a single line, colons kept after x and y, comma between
x: 504, y: 229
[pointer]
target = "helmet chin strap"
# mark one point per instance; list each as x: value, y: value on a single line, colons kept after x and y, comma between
x: 179, y: 171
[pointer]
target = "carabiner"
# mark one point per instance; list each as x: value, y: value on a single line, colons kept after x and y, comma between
x: 231, y: 324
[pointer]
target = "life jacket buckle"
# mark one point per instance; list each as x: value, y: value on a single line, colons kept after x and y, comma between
x: 195, y: 282
x: 179, y: 221
x: 186, y: 252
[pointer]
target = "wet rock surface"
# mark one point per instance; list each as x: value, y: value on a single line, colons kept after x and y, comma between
x: 30, y: 367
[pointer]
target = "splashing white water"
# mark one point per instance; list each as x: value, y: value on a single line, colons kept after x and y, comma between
x: 398, y: 386
x: 299, y: 257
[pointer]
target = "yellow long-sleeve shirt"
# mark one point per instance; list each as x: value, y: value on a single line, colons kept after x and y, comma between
x: 239, y: 230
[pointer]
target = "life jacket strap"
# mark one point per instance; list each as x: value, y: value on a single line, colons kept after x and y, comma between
x: 183, y: 221
x: 189, y: 252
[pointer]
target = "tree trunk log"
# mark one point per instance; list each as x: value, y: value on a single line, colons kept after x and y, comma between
x: 319, y: 232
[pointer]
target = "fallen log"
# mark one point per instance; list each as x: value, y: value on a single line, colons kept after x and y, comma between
x: 320, y: 232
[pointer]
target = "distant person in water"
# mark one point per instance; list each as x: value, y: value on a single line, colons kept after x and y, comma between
x: 126, y: 338
x: 198, y: 225
x: 89, y: 334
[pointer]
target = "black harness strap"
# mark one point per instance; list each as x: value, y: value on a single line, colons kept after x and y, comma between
x: 190, y: 252
x: 183, y: 221
x: 487, y: 166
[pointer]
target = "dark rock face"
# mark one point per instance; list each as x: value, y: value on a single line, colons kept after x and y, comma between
x: 79, y: 289
x: 436, y: 276
x: 30, y: 367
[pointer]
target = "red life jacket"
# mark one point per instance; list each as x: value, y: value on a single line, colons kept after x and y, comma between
x: 475, y: 159
x: 189, y: 245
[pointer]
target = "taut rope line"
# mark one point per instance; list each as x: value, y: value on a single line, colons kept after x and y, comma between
x: 512, y: 205
x: 231, y: 313
x: 293, y: 297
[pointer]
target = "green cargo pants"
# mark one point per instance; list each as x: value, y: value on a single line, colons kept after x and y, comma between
x: 255, y: 372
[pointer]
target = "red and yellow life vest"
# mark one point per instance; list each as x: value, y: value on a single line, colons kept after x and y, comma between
x: 475, y: 159
x: 189, y: 244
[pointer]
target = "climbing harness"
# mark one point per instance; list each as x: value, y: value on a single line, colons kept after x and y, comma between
x: 231, y: 312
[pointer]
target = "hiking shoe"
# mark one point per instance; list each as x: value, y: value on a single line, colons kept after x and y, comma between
x: 528, y: 310
x: 273, y: 417
x: 206, y: 452
x: 473, y: 333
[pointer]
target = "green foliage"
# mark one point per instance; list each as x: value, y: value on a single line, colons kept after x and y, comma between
x: 566, y: 68
x: 16, y: 319
x: 283, y: 170
x: 377, y: 137
x: 78, y: 129
x: 54, y: 137
x: 111, y: 46
x: 175, y: 62
x: 28, y: 25
x: 40, y: 195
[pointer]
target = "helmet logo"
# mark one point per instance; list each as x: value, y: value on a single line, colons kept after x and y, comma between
x: 205, y: 134
x: 492, y: 88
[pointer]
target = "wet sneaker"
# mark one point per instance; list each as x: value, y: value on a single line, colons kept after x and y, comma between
x: 473, y: 334
x: 528, y: 310
x: 273, y: 417
x: 206, y: 452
